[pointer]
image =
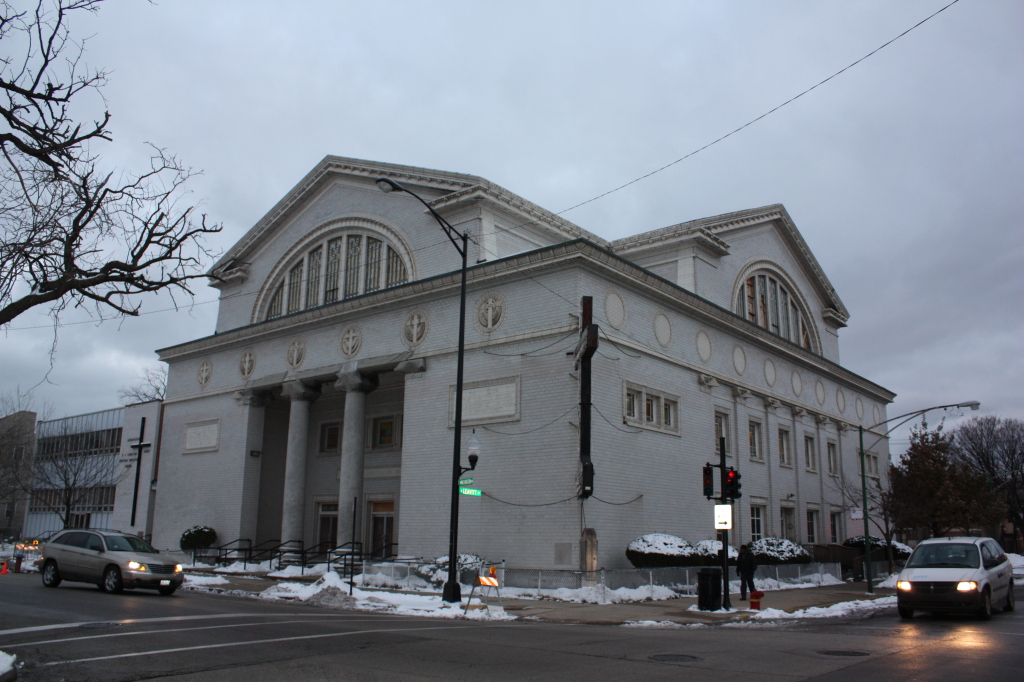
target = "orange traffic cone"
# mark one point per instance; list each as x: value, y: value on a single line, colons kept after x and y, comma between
x: 4, y: 572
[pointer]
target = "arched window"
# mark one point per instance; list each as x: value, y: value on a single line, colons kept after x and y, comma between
x: 767, y: 302
x: 335, y: 268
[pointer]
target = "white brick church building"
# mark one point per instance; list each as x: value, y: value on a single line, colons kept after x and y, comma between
x: 326, y: 389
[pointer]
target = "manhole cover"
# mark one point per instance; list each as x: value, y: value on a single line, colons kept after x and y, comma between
x: 844, y: 653
x: 96, y: 626
x: 673, y: 658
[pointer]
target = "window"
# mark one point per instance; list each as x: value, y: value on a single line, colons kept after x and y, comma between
x: 871, y: 459
x: 330, y: 434
x: 834, y: 522
x: 810, y: 456
x: 721, y: 431
x: 764, y: 300
x: 648, y: 408
x: 833, y: 459
x: 340, y: 267
x: 756, y: 519
x: 386, y: 431
x: 754, y: 431
x: 785, y: 456
x: 10, y: 509
x: 812, y: 526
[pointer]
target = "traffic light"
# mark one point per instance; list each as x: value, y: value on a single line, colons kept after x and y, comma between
x: 732, y: 484
x: 709, y: 481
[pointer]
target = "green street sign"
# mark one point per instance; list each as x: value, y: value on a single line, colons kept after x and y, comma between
x: 465, y: 481
x: 470, y: 491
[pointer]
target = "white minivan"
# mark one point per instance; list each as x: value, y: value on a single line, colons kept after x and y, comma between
x: 946, y: 575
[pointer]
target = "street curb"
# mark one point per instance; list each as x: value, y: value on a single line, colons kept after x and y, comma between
x: 10, y: 675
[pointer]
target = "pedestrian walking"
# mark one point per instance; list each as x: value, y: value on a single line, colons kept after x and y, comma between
x: 746, y: 564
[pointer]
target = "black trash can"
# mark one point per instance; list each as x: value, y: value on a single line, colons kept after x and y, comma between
x: 709, y: 589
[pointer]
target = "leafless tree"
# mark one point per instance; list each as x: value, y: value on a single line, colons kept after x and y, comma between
x: 72, y: 233
x: 150, y: 385
x: 75, y: 472
x: 994, y: 447
x: 882, y: 512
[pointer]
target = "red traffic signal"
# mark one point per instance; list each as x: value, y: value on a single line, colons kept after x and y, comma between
x: 732, y: 484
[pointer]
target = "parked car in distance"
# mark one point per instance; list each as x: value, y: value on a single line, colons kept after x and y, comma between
x: 946, y: 575
x: 109, y: 559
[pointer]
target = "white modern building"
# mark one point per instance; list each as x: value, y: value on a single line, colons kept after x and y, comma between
x: 321, y: 405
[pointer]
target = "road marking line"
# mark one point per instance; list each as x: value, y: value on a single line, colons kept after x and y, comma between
x: 261, y: 641
x: 132, y: 621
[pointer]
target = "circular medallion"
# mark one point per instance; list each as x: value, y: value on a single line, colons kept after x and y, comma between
x: 739, y: 360
x: 614, y: 309
x: 414, y: 329
x: 703, y: 346
x: 296, y: 353
x: 860, y: 408
x: 663, y: 330
x: 769, y: 372
x: 798, y: 383
x: 840, y: 400
x: 490, y: 312
x: 819, y: 392
x: 204, y: 373
x: 247, y: 363
x: 877, y: 413
x: 351, y: 341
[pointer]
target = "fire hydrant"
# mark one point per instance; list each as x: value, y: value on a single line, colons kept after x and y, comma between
x: 755, y: 600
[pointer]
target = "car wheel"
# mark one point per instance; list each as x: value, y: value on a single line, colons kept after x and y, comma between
x: 985, y: 611
x: 905, y: 612
x: 167, y: 591
x: 1010, y: 605
x: 112, y: 582
x: 51, y: 575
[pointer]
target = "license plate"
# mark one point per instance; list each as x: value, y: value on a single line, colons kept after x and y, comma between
x: 165, y: 582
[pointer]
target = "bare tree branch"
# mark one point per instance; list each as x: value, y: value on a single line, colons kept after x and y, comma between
x: 151, y: 385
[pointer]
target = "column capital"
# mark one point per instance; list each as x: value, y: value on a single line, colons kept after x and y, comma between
x: 296, y: 390
x: 250, y: 398
x: 351, y: 380
x: 411, y: 366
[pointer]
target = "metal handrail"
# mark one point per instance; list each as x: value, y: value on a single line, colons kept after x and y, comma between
x: 383, y: 552
x: 227, y: 548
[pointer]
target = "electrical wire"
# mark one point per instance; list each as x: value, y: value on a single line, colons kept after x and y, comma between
x: 516, y: 504
x: 523, y: 433
x: 617, y: 504
x: 614, y: 426
x: 530, y: 352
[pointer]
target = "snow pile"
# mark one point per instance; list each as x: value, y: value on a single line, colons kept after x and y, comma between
x: 204, y: 580
x: 596, y: 594
x: 847, y: 608
x: 779, y: 550
x: 1017, y: 561
x: 712, y: 548
x: 298, y: 571
x: 772, y: 585
x: 662, y: 625
x: 889, y: 582
x: 6, y: 663
x: 410, y: 582
x: 239, y: 567
x: 661, y: 543
x: 693, y: 607
x: 332, y: 591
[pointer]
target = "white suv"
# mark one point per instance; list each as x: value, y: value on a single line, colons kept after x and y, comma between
x: 955, y: 574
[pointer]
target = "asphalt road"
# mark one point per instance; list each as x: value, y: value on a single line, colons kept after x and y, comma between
x: 79, y: 633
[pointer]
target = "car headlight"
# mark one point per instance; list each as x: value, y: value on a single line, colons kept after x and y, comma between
x: 177, y: 568
x: 903, y: 585
x: 136, y: 566
x: 966, y: 586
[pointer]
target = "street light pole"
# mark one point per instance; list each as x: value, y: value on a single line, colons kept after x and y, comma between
x: 452, y: 590
x: 973, y: 404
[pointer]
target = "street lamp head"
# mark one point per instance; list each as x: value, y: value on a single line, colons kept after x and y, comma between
x: 973, y: 404
x: 473, y: 446
x: 472, y: 461
x: 386, y: 185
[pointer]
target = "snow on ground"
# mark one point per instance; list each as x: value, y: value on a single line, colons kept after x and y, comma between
x: 662, y: 625
x: 239, y: 567
x: 331, y: 590
x: 6, y: 663
x: 204, y: 580
x: 693, y: 607
x: 1017, y: 561
x: 847, y: 608
x: 889, y: 582
x: 295, y: 571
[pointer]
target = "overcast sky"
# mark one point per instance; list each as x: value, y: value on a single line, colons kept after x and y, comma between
x: 904, y: 174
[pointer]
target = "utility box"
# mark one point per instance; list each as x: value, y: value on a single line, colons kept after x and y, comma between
x: 709, y: 589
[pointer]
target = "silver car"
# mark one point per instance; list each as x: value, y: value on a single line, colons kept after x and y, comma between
x: 111, y: 560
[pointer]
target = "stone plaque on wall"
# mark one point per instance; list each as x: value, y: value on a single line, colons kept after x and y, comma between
x: 487, y: 402
x: 202, y: 436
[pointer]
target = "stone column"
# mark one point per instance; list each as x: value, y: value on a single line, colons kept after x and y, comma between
x: 302, y: 397
x: 353, y: 442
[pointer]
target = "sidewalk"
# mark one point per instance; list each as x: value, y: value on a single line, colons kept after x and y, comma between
x: 671, y: 610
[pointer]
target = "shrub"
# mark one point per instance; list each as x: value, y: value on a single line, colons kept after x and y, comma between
x: 899, y: 550
x: 659, y: 550
x: 198, y: 537
x: 778, y: 551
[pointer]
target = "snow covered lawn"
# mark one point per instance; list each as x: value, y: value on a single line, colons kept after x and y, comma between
x: 846, y: 608
x: 192, y: 579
